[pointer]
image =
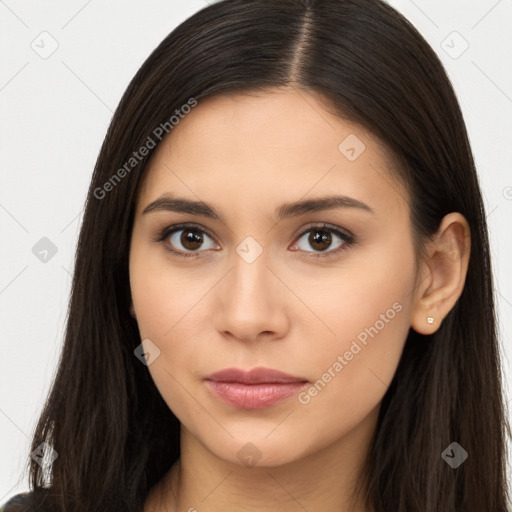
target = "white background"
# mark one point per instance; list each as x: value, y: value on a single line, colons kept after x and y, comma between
x: 55, y: 112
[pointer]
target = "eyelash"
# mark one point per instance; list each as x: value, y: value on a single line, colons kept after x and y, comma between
x: 348, y: 239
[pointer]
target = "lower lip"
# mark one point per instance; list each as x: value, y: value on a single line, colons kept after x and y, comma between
x: 253, y: 396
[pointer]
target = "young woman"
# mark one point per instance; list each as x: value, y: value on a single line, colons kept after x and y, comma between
x: 282, y: 295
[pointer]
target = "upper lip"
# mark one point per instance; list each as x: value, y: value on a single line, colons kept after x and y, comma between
x: 258, y: 375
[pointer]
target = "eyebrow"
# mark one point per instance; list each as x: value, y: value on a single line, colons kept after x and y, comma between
x: 167, y: 202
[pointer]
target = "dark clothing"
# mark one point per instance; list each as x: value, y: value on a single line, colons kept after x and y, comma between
x: 24, y: 502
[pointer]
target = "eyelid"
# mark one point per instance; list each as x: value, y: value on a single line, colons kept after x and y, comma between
x: 327, y: 226
x: 171, y: 229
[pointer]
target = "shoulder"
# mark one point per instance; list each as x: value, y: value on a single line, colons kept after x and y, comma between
x: 25, y: 502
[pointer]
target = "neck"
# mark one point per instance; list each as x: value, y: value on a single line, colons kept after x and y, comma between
x: 325, y: 480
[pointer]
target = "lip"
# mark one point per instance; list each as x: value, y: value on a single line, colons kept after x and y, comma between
x: 254, y: 389
x: 259, y: 375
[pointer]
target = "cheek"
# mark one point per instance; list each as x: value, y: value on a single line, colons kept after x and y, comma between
x: 165, y: 296
x: 368, y: 309
x: 355, y: 372
x: 163, y: 301
x: 166, y: 304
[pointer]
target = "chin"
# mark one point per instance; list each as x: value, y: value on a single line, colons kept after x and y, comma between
x: 259, y: 451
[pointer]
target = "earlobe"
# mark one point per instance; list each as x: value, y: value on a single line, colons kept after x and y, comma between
x: 443, y: 274
x: 132, y: 310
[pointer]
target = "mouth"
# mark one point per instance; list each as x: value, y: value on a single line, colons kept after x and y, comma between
x: 254, y: 389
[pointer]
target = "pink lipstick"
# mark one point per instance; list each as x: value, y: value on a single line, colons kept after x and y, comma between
x: 254, y: 389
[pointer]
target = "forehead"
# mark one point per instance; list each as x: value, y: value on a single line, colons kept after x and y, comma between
x: 273, y: 146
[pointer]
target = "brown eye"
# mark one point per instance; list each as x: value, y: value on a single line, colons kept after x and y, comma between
x: 322, y: 238
x: 186, y: 241
x: 191, y: 239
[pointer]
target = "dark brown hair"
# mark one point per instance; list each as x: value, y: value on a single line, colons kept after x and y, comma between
x: 114, y: 435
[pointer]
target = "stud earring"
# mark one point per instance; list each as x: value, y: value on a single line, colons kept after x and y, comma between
x: 430, y: 320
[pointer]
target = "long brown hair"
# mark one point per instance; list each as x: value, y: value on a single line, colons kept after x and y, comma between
x: 114, y: 435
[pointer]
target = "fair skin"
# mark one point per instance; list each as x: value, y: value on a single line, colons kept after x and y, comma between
x: 246, y: 155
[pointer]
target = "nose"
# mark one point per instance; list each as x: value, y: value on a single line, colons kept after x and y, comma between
x: 251, y: 302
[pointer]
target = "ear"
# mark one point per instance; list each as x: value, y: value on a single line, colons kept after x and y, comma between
x: 442, y: 274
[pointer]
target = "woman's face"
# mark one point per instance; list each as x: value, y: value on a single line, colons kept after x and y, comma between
x: 267, y: 284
